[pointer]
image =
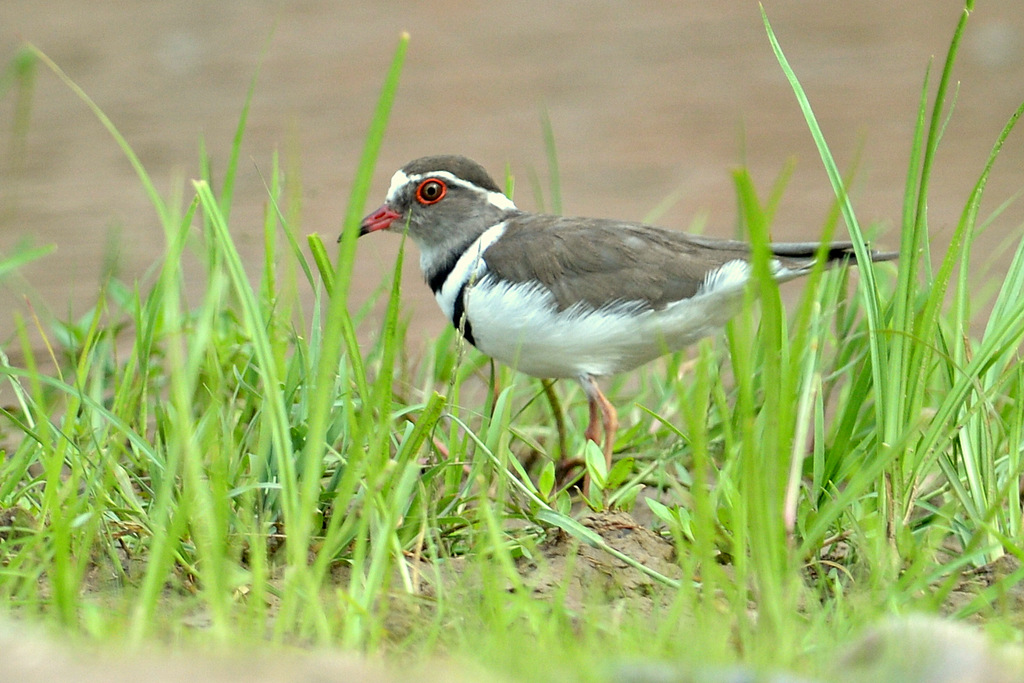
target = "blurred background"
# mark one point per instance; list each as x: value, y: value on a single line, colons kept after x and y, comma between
x: 647, y: 100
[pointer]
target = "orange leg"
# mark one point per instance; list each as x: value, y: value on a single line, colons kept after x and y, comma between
x: 609, y: 418
x: 593, y: 432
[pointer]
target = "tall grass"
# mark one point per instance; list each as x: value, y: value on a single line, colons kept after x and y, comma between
x: 266, y: 476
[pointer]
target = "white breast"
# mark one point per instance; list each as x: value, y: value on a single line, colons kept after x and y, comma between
x: 469, y: 269
x: 519, y: 325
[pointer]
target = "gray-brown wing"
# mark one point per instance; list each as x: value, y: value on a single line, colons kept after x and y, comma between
x: 602, y: 262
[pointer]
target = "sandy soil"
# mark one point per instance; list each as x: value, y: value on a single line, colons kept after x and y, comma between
x: 647, y: 101
x: 591, y: 585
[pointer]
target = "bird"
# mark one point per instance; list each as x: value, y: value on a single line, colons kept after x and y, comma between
x: 570, y: 297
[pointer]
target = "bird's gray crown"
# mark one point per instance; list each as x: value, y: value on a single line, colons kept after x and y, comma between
x: 458, y: 166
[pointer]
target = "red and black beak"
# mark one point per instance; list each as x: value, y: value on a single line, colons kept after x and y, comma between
x: 381, y: 219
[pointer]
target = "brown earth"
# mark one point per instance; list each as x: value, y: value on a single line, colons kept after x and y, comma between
x: 647, y: 101
x: 588, y: 583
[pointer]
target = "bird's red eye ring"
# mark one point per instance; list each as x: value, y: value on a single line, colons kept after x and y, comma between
x: 431, y: 191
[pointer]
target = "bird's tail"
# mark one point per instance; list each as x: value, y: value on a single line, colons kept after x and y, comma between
x: 837, y: 251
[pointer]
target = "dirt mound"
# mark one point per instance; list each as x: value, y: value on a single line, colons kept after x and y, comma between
x: 581, y: 574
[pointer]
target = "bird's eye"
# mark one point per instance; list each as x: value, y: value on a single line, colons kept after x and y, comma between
x: 431, y: 191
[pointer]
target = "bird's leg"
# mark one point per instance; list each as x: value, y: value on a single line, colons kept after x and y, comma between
x: 556, y: 410
x: 593, y: 432
x: 609, y: 418
x: 611, y: 428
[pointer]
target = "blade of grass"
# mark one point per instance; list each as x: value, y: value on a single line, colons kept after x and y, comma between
x: 140, y: 171
x: 551, y: 152
x: 338, y: 326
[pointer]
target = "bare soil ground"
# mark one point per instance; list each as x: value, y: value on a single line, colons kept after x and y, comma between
x: 589, y: 583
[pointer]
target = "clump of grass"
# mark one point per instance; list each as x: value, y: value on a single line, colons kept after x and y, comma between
x: 263, y: 473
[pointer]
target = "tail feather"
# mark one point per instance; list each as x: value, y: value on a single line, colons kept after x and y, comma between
x: 837, y: 251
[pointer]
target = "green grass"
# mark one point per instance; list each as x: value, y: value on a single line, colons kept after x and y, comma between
x: 229, y: 460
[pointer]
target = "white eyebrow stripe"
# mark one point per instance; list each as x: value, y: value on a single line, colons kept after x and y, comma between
x: 495, y: 199
x: 397, y: 181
